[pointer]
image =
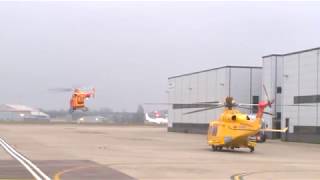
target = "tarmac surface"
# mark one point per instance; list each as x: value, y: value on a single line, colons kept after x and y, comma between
x: 89, y: 152
x: 73, y: 170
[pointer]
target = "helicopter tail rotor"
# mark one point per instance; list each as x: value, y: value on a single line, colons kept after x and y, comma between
x: 93, y: 92
x: 270, y: 102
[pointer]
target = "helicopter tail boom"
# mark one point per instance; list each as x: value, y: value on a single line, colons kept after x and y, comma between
x: 262, y: 105
x: 275, y: 130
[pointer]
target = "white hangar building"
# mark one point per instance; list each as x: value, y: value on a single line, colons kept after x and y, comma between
x: 241, y: 82
x: 13, y: 112
x: 293, y: 80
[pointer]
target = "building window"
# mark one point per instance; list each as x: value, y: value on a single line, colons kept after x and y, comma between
x: 255, y: 100
x: 278, y: 115
x: 306, y: 99
x: 279, y: 90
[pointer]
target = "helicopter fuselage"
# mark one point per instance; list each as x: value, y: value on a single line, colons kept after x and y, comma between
x: 233, y: 130
x: 77, y: 101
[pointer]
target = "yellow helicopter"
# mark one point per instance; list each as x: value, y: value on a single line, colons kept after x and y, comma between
x: 233, y: 129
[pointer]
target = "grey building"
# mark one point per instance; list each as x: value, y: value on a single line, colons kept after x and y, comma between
x: 294, y: 79
x: 11, y: 112
x: 241, y: 82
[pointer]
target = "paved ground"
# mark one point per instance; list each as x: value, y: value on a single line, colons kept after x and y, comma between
x: 149, y: 153
x: 69, y: 169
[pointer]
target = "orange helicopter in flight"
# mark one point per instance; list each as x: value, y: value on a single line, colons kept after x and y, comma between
x: 78, y: 97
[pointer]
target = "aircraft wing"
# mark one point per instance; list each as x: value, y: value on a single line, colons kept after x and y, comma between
x: 275, y: 130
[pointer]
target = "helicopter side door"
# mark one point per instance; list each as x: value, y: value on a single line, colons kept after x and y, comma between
x: 80, y: 100
x: 213, y: 130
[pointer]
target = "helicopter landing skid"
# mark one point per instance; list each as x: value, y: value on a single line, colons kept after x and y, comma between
x: 220, y: 148
x: 84, y: 109
x: 251, y: 149
x: 217, y: 148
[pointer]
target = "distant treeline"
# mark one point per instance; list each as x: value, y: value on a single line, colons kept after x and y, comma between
x: 108, y: 114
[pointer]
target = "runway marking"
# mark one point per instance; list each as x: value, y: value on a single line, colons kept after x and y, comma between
x: 241, y: 176
x: 33, y: 169
x: 58, y: 175
x: 15, y: 179
x: 238, y: 176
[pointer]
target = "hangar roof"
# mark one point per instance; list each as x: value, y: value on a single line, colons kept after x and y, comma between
x: 296, y: 52
x: 16, y: 108
x: 249, y: 67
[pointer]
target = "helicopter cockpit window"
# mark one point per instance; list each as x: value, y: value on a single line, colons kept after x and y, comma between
x: 214, y: 130
x: 248, y: 118
x: 234, y: 117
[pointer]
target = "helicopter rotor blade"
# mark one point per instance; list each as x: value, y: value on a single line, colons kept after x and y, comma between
x: 239, y: 105
x: 247, y: 108
x: 268, y: 97
x: 61, y: 89
x: 267, y: 113
x: 195, y: 103
x: 193, y: 106
x: 301, y: 105
x: 164, y: 103
x: 205, y: 109
x: 265, y: 91
x: 168, y: 104
x: 210, y: 102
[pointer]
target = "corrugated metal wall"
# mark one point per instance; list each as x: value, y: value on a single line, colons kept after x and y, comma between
x: 300, y: 78
x: 298, y: 75
x: 269, y: 76
x: 290, y: 89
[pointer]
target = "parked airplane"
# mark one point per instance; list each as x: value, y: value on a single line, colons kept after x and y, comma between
x: 156, y: 118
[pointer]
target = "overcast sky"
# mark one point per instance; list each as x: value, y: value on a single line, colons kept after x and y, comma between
x: 127, y: 50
